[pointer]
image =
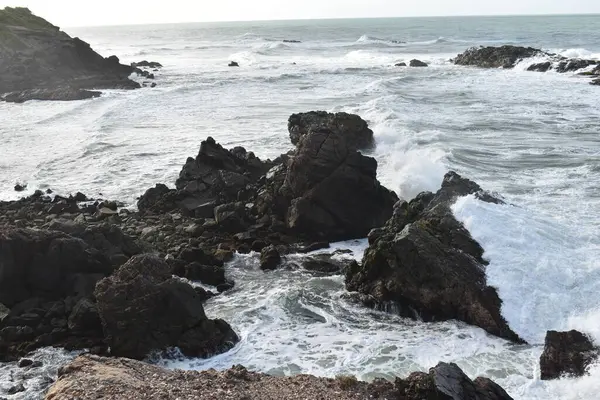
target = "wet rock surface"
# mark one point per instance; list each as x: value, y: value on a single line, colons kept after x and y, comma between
x: 567, y: 354
x: 425, y: 263
x: 91, y: 377
x: 141, y: 297
x: 508, y: 56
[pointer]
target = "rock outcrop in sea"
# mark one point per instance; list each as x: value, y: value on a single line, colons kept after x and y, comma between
x: 508, y: 56
x: 40, y: 62
x: 567, y: 354
x: 87, y: 274
x: 91, y: 377
x: 424, y: 263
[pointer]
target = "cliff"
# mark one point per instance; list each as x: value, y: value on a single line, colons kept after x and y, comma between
x: 39, y: 61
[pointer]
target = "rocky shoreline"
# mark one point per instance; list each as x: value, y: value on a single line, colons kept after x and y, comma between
x: 95, y: 276
x: 90, y: 275
x: 40, y: 62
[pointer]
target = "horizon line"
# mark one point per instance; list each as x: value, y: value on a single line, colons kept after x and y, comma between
x: 334, y: 19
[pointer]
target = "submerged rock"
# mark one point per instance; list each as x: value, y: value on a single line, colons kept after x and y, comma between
x: 147, y: 64
x: 567, y: 354
x: 233, y: 64
x: 92, y: 377
x: 144, y: 309
x: 427, y: 264
x: 496, y: 57
x: 402, y: 64
x: 43, y: 63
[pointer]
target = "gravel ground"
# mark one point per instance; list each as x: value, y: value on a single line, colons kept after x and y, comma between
x: 92, y: 377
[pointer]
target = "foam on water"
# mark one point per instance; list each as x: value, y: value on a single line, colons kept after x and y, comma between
x: 532, y: 137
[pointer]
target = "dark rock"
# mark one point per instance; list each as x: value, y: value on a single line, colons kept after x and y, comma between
x: 49, y: 191
x: 213, y: 178
x: 203, y: 294
x: 50, y: 94
x: 16, y: 389
x: 291, y: 41
x: 213, y: 275
x: 20, y: 188
x: 147, y: 64
x: 85, y: 318
x: 574, y: 65
x: 418, y: 63
x: 269, y: 258
x: 24, y: 363
x: 42, y: 62
x: 224, y: 287
x: 334, y: 191
x: 496, y: 57
x: 79, y: 197
x: 595, y: 82
x: 402, y: 64
x: 40, y: 263
x: 233, y: 64
x: 153, y: 85
x: 425, y: 263
x: 567, y: 354
x: 540, y: 67
x: 143, y: 309
x: 324, y: 263
x: 354, y: 129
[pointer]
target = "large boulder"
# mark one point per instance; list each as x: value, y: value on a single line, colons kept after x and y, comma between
x: 41, y: 62
x: 334, y: 190
x: 567, y: 354
x: 496, y: 57
x: 353, y: 128
x: 47, y: 264
x: 144, y: 309
x: 427, y: 264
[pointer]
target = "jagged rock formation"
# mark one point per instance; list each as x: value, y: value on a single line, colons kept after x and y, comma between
x: 90, y: 377
x: 38, y: 61
x: 425, y: 263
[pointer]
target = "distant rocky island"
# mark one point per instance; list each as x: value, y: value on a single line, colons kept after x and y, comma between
x: 40, y: 62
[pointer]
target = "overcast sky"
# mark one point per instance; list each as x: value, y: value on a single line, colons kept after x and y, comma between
x: 68, y: 13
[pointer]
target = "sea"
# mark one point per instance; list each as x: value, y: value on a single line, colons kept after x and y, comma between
x: 532, y: 137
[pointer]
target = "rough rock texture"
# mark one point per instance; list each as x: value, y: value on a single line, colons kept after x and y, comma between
x: 540, y: 67
x: 334, y: 190
x: 38, y: 61
x: 567, y: 354
x: 214, y: 177
x: 425, y: 263
x: 496, y: 57
x: 324, y: 190
x: 144, y: 309
x: 355, y: 130
x: 91, y: 377
x: 47, y: 280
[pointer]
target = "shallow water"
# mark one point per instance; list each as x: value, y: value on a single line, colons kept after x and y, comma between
x: 533, y: 137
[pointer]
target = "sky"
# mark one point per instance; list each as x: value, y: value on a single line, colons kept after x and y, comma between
x: 73, y: 13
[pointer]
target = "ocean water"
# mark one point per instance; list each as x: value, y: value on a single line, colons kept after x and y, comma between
x: 533, y: 137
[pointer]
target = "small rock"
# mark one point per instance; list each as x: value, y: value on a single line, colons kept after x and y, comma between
x: 24, y: 362
x: 234, y: 64
x: 269, y: 258
x: 49, y: 191
x: 402, y: 64
x: 566, y: 353
x: 16, y: 389
x: 20, y: 187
